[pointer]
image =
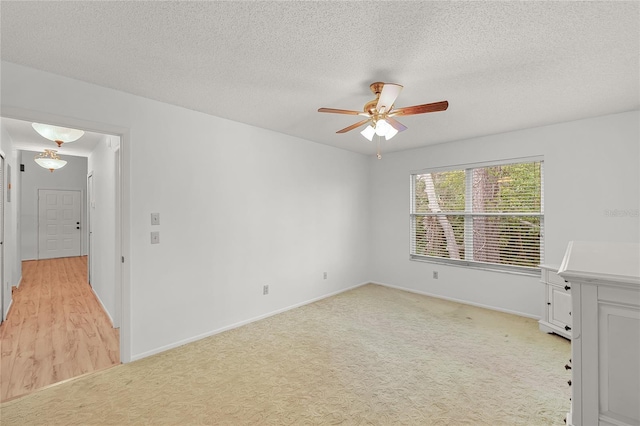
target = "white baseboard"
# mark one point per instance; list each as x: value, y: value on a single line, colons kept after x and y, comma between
x: 238, y: 324
x: 103, y: 307
x: 464, y: 302
x: 6, y: 314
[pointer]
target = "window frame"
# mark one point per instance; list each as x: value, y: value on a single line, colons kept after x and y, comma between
x: 468, y: 215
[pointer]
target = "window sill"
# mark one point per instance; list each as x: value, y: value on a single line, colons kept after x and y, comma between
x: 513, y: 270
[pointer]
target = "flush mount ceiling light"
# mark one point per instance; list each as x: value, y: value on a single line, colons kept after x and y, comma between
x: 57, y: 134
x: 50, y: 160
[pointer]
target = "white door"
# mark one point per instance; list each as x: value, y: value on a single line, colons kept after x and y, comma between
x: 3, y: 291
x: 90, y: 207
x: 118, y: 243
x: 58, y: 223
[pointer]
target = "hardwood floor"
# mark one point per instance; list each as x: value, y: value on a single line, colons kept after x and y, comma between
x: 56, y: 328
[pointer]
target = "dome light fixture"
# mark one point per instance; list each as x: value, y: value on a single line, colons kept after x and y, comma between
x: 57, y: 134
x: 50, y: 160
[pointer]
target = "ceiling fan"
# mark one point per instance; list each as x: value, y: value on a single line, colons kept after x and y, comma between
x: 380, y: 112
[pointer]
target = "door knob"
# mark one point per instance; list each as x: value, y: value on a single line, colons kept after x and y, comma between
x: 77, y: 227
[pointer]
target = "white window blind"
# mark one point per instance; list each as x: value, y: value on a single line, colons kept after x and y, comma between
x: 490, y: 216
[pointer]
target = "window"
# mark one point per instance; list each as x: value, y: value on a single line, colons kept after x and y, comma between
x: 489, y: 216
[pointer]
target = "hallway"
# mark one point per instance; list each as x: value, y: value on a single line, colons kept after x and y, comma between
x: 56, y: 328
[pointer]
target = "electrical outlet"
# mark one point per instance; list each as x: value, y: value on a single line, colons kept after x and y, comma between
x: 324, y: 276
x: 435, y: 275
x: 265, y: 290
x: 155, y: 237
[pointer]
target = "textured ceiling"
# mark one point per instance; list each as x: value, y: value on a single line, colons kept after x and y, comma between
x: 501, y: 65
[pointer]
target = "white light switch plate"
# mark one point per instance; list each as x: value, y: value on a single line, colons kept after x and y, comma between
x: 155, y: 218
x: 155, y: 237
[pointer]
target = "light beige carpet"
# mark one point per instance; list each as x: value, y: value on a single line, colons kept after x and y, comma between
x: 370, y: 356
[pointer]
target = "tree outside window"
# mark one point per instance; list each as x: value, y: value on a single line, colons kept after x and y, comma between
x: 486, y: 215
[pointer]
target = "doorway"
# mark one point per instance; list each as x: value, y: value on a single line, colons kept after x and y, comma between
x: 61, y: 220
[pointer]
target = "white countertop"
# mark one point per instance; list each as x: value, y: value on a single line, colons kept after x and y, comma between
x: 602, y: 262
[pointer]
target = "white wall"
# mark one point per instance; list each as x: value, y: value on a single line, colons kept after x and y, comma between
x: 239, y: 207
x: 591, y: 167
x: 12, y: 262
x: 73, y: 176
x: 101, y: 209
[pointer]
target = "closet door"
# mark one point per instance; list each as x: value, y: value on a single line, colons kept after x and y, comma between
x: 58, y: 223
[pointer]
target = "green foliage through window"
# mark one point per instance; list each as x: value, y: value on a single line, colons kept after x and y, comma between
x: 486, y: 214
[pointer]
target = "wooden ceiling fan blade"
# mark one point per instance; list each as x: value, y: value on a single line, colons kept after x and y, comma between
x: 396, y: 124
x: 342, y: 111
x: 353, y: 126
x: 388, y: 96
x: 421, y: 109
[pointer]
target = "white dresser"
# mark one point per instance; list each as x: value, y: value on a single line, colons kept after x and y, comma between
x: 605, y: 345
x: 556, y: 317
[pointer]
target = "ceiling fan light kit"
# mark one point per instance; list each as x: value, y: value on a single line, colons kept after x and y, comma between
x: 380, y: 112
x: 382, y: 128
x: 49, y: 159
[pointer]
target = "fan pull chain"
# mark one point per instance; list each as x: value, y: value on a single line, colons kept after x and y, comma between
x: 379, y: 155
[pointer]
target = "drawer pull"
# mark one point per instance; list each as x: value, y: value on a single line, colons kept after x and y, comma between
x: 567, y: 288
x: 569, y: 382
x: 566, y: 327
x: 567, y: 367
